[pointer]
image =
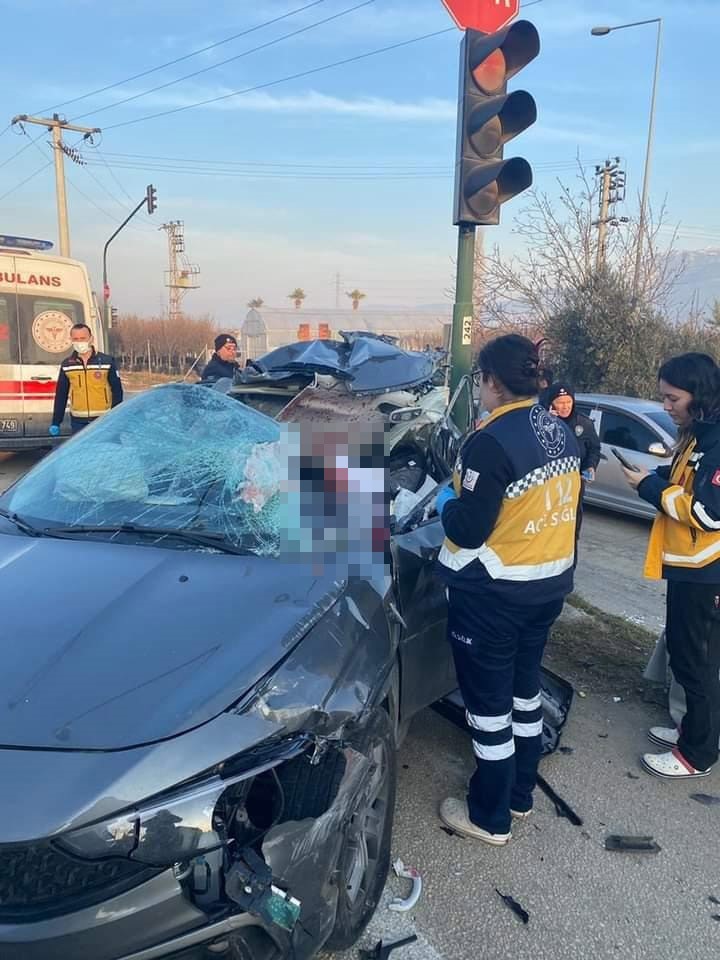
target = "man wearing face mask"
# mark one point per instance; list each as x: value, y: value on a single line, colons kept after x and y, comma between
x: 89, y: 379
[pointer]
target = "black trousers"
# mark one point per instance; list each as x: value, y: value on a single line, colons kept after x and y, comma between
x: 498, y: 648
x: 693, y: 642
x: 77, y: 423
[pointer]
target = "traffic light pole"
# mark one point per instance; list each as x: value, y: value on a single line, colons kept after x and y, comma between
x: 462, y: 326
x: 146, y: 200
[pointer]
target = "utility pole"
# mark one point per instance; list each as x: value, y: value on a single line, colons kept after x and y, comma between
x: 56, y: 125
x: 612, y: 192
x: 181, y: 275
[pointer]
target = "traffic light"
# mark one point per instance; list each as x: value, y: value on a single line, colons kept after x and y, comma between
x: 151, y: 198
x: 488, y: 117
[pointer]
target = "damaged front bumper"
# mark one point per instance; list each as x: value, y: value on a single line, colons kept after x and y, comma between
x: 266, y: 887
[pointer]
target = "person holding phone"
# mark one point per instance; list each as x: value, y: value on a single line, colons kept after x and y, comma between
x: 507, y: 560
x: 684, y: 549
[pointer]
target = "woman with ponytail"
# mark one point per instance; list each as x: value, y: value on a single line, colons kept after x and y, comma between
x: 509, y: 518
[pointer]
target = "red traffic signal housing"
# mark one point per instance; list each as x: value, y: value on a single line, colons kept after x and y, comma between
x: 488, y: 118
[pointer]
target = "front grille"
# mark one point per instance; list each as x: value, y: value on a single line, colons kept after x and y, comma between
x: 39, y: 880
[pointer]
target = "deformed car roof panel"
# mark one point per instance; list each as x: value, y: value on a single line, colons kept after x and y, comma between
x: 365, y: 363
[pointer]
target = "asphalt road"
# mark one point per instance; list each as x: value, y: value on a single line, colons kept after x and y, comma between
x: 584, y: 902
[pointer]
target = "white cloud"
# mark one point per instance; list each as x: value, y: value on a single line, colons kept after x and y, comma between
x: 311, y: 102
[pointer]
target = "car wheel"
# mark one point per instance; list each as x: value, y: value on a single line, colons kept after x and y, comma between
x: 364, y: 860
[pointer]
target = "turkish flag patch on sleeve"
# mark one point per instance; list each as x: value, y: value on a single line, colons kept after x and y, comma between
x: 716, y: 479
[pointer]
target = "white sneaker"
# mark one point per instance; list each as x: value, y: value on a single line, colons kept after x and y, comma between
x: 454, y: 814
x: 671, y: 766
x: 664, y: 736
x: 521, y: 814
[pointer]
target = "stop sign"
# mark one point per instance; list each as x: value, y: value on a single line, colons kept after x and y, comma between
x: 488, y: 16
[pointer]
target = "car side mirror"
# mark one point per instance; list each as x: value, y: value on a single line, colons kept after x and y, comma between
x: 658, y: 450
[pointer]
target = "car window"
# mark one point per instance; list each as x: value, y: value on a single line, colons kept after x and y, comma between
x: 619, y: 430
x: 664, y: 421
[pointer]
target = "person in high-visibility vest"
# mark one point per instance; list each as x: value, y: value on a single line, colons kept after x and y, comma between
x: 89, y: 379
x: 508, y: 558
x: 684, y: 549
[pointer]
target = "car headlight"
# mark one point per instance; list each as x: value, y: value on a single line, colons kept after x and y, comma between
x: 182, y: 825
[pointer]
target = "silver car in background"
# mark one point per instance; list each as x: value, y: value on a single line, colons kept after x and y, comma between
x: 639, y: 429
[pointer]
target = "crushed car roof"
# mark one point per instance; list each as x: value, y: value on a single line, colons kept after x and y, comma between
x: 363, y: 362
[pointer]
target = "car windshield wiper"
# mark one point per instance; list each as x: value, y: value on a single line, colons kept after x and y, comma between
x: 20, y: 523
x: 215, y: 540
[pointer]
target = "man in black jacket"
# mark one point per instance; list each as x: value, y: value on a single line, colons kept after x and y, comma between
x: 223, y: 362
x: 560, y: 400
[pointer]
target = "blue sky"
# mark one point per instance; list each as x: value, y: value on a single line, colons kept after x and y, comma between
x: 291, y: 215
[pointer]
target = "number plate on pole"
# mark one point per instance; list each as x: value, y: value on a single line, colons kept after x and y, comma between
x: 467, y: 326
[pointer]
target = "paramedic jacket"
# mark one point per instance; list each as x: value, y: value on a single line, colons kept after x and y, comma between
x: 685, y: 538
x: 511, y: 531
x: 93, y: 389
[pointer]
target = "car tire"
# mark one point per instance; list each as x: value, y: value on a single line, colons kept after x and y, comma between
x: 364, y: 860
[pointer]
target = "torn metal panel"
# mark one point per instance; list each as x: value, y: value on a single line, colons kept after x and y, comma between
x: 302, y: 854
x: 364, y: 363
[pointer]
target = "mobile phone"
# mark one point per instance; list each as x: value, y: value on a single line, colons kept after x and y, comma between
x: 625, y: 462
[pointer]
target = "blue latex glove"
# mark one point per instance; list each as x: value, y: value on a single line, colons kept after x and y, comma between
x: 54, y: 431
x: 443, y: 498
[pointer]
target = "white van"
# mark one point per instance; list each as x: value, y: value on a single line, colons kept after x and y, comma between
x: 41, y: 297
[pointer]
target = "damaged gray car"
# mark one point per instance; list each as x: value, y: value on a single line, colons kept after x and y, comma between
x: 198, y: 718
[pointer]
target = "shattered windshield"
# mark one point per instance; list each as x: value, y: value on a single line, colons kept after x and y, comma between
x: 176, y: 458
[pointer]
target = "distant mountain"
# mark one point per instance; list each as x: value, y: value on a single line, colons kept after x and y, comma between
x: 702, y: 274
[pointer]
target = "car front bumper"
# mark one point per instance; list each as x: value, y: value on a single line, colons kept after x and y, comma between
x: 152, y: 921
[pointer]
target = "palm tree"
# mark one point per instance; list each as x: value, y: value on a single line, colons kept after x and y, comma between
x: 256, y: 303
x: 297, y: 296
x: 356, y: 296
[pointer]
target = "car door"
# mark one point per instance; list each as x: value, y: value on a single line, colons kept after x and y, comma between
x: 633, y: 438
x: 428, y: 672
x: 428, y: 667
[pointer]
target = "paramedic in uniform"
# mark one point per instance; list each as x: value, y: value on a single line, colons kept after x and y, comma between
x: 509, y: 517
x: 91, y: 381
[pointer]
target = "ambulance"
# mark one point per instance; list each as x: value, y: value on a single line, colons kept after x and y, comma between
x: 41, y: 297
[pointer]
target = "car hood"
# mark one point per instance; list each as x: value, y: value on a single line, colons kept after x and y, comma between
x: 106, y: 646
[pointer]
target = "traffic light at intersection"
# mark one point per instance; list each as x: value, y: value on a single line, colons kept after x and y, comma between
x: 151, y: 198
x: 488, y: 118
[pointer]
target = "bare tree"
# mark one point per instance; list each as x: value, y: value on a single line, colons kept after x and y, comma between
x: 560, y: 256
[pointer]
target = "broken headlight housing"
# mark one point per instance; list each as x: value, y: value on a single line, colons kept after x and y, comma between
x: 159, y: 834
x: 182, y: 825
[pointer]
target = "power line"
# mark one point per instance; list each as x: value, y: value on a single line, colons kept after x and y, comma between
x: 112, y: 172
x: 22, y: 149
x: 222, y: 63
x: 438, y: 166
x: 307, y: 172
x: 294, y: 76
x: 81, y: 192
x: 187, y: 56
x: 26, y: 180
